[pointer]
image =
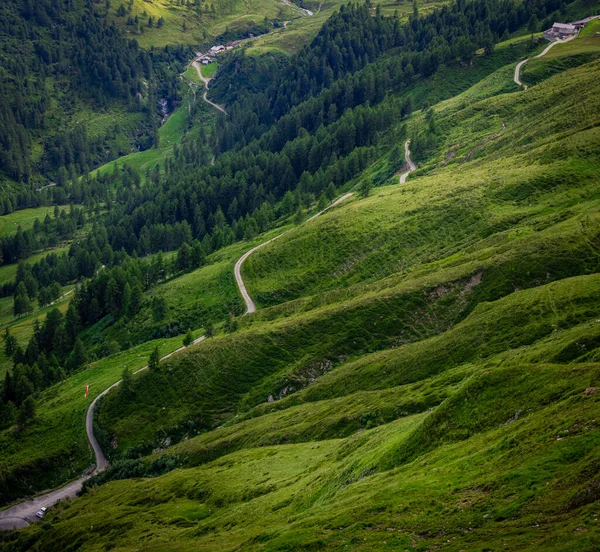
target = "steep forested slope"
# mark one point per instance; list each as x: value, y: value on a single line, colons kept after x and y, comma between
x: 62, y: 64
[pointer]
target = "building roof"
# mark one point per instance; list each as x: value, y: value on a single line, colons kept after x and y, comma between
x: 564, y: 26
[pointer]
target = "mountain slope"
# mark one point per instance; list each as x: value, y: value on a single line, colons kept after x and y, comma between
x: 423, y: 373
x: 423, y: 368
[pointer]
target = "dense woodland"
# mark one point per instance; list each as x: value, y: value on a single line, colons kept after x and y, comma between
x: 56, y: 53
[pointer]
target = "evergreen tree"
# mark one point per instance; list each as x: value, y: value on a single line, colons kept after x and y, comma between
x: 154, y: 360
x: 21, y: 305
x: 231, y: 325
x: 9, y: 414
x: 78, y: 356
x: 159, y: 308
x: 27, y: 412
x: 533, y: 24
x: 365, y: 187
x: 126, y: 382
x: 299, y: 218
x: 10, y: 344
x: 188, y: 338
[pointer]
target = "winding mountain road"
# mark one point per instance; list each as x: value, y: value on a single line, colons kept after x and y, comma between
x: 517, y: 75
x: 411, y: 166
x: 250, y: 306
x: 22, y: 514
x: 206, y: 80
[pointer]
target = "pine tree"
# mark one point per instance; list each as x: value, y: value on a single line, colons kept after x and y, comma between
x: 322, y: 203
x: 126, y: 382
x: 231, y: 325
x: 9, y: 414
x: 365, y: 187
x: 159, y: 308
x: 10, y: 343
x: 331, y: 192
x: 27, y: 412
x: 154, y: 360
x: 533, y: 24
x: 21, y: 305
x: 126, y: 300
x: 78, y: 356
x: 184, y: 256
x: 299, y: 218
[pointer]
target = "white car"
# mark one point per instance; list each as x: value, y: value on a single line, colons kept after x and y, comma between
x: 41, y: 513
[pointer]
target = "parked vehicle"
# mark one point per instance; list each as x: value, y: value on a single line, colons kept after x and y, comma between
x: 41, y: 512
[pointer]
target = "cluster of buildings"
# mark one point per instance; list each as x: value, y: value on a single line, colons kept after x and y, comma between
x: 210, y: 56
x: 560, y: 31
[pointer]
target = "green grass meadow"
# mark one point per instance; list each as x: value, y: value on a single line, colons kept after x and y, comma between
x: 423, y: 369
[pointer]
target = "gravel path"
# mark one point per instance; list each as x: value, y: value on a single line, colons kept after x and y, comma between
x: 205, y: 80
x: 250, y: 306
x: 411, y: 166
x: 517, y: 76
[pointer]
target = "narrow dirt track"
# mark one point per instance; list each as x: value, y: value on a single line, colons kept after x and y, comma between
x: 411, y: 166
x: 517, y: 75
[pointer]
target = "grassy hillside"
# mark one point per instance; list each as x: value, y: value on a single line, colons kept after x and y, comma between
x: 58, y: 438
x: 196, y: 23
x: 423, y: 372
x: 423, y: 369
x: 277, y: 26
x: 25, y: 218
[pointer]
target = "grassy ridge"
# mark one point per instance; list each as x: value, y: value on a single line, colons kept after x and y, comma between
x: 459, y: 207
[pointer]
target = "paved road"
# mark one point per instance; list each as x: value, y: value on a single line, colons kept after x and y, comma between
x: 411, y: 166
x: 517, y: 79
x: 21, y: 515
x: 250, y: 306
